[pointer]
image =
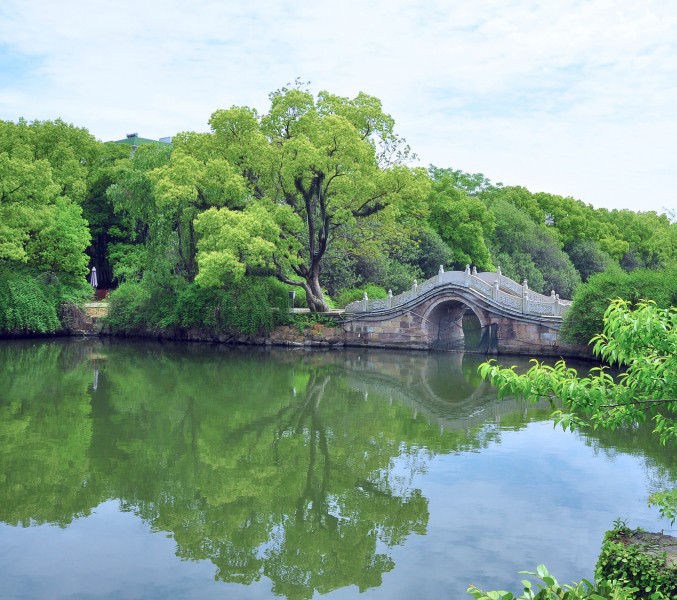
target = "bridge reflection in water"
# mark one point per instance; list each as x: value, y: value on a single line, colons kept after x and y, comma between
x: 443, y: 389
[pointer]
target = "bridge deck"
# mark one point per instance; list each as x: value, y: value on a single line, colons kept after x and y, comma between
x: 493, y: 287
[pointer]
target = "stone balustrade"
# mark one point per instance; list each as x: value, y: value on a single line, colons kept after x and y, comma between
x: 493, y: 287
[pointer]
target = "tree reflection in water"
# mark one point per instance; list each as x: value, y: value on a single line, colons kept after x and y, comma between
x: 293, y: 466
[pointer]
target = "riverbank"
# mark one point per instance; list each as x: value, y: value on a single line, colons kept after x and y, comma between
x: 327, y: 330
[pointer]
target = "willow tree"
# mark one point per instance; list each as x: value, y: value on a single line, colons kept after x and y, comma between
x: 316, y: 169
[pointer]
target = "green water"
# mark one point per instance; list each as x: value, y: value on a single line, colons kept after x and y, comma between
x: 143, y: 470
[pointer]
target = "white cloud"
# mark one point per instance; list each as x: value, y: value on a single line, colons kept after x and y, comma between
x: 576, y: 97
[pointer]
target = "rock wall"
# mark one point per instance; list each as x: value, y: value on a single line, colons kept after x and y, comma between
x: 417, y: 330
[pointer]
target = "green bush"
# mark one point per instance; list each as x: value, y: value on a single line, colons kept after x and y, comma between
x: 584, y: 319
x: 629, y: 560
x: 255, y: 305
x: 27, y: 304
x: 348, y: 296
x: 200, y: 307
x: 141, y: 306
x: 127, y: 307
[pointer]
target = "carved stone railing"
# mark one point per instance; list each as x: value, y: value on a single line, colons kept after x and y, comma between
x: 496, y: 288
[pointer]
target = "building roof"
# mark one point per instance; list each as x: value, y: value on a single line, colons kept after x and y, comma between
x: 133, y: 139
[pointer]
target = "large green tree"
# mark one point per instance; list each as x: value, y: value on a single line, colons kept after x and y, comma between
x: 525, y: 249
x: 462, y: 221
x: 47, y: 171
x: 45, y: 174
x: 309, y: 173
x: 43, y: 178
x: 651, y: 240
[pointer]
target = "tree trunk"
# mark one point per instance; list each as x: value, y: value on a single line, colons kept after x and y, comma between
x: 314, y: 295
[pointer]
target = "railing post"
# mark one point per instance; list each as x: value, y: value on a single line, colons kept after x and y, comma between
x: 439, y: 274
x: 494, y: 290
x: 365, y: 302
x: 466, y: 279
x: 389, y: 299
x: 414, y: 288
x: 474, y: 270
x: 557, y: 309
x: 525, y: 297
x: 500, y: 277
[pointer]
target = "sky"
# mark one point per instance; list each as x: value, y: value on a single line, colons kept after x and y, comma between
x: 572, y: 97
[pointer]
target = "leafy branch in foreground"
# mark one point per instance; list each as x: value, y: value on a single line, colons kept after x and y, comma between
x: 550, y: 589
x: 641, y: 340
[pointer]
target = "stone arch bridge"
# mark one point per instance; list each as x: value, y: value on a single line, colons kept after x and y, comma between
x: 508, y: 318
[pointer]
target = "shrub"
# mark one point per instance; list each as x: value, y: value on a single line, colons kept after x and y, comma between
x: 632, y: 559
x: 127, y: 307
x: 27, y: 305
x: 584, y: 319
x: 142, y: 306
x: 348, y: 296
x: 255, y: 305
x: 200, y: 307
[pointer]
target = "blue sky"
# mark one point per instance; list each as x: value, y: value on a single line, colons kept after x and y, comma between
x: 572, y: 97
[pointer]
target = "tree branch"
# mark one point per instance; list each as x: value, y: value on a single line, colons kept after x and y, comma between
x: 648, y: 403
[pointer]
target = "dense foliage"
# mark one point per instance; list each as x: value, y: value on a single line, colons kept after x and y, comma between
x: 625, y: 562
x: 584, y: 319
x: 47, y: 170
x: 319, y: 193
x: 25, y: 304
x: 254, y: 306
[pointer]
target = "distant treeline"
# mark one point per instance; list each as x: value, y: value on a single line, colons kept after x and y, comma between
x: 318, y: 195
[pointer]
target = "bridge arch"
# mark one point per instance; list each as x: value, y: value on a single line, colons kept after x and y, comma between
x: 443, y: 321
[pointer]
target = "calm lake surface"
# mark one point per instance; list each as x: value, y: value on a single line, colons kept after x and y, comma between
x: 146, y: 470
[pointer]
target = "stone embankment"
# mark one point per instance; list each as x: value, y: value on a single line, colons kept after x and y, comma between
x: 315, y: 336
x: 90, y: 323
x: 309, y: 334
